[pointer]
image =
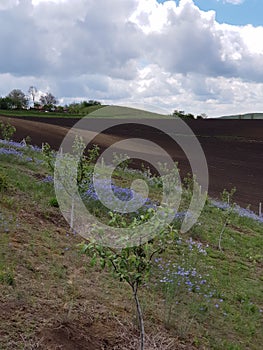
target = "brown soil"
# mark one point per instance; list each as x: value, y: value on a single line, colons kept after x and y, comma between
x: 233, y: 148
x: 56, y: 300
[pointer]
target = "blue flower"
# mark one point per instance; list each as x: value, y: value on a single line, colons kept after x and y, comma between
x: 242, y: 212
x: 119, y: 193
x: 48, y: 179
x: 7, y: 151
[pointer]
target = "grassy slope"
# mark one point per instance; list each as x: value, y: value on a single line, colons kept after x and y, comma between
x: 50, y: 296
x: 32, y: 113
x: 113, y: 112
x: 92, y: 111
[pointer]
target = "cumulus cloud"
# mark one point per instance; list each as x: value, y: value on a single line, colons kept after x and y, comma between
x: 191, y: 41
x: 91, y: 36
x: 176, y: 56
x: 21, y: 51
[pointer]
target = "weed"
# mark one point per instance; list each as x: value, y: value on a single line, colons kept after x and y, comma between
x: 53, y: 202
x: 7, y: 277
x: 3, y: 182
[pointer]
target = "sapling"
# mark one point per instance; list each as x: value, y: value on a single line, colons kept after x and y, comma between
x: 7, y: 131
x: 131, y: 264
x: 121, y: 161
x: 48, y: 156
x: 72, y: 169
x: 92, y: 154
x: 226, y: 197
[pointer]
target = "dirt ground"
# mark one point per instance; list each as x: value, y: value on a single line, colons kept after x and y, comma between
x: 233, y: 148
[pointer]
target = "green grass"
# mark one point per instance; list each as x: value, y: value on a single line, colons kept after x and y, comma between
x: 100, y: 111
x: 42, y: 270
x: 28, y: 113
x: 32, y: 113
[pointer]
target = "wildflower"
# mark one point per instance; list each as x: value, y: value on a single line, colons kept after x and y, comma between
x: 8, y: 151
x: 48, y: 179
x: 242, y: 212
x: 113, y: 192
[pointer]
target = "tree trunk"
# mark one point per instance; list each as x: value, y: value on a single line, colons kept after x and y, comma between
x: 140, y: 317
x: 72, y: 215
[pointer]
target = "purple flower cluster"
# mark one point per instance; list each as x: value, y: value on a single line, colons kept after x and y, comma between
x: 198, y: 245
x: 14, y: 152
x: 48, y: 179
x: 121, y: 193
x: 19, y: 145
x: 242, y: 212
x: 12, y: 144
x: 180, y: 280
x: 17, y: 149
x: 8, y: 151
x: 125, y: 195
x: 182, y: 277
x: 180, y: 215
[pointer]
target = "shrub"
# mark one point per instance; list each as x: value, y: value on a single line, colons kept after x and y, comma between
x: 53, y: 202
x: 7, y: 131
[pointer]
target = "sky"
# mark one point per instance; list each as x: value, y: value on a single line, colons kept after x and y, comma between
x: 200, y: 56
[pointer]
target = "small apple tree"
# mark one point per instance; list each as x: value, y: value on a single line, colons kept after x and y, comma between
x: 131, y: 264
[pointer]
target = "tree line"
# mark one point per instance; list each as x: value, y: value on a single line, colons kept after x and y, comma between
x: 183, y: 115
x: 18, y: 100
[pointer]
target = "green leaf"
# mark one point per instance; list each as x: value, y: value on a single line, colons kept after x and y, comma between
x: 102, y: 263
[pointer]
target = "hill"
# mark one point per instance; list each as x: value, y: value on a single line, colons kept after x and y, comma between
x: 52, y: 297
x: 47, y: 114
x: 244, y: 116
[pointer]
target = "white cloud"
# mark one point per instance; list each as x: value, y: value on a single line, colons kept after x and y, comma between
x: 138, y: 51
x: 4, y: 5
x: 37, y: 2
x: 234, y: 2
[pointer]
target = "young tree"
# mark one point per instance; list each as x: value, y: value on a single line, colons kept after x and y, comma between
x: 133, y: 263
x: 18, y: 99
x: 7, y: 131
